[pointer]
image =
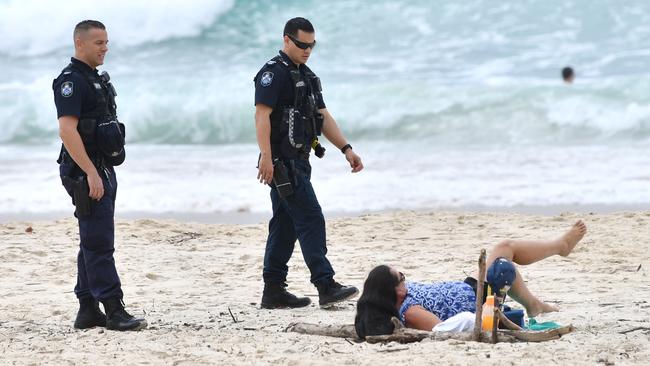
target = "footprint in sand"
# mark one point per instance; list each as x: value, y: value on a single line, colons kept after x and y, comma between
x: 38, y: 253
x: 153, y: 276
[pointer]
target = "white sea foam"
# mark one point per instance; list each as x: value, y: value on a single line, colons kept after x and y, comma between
x: 41, y: 26
x: 221, y: 179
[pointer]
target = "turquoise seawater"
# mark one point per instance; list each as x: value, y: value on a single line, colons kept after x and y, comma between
x: 449, y: 103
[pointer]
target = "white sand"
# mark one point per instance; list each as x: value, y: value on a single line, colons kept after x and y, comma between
x: 186, y: 276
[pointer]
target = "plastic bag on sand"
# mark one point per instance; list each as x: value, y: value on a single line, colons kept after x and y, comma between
x: 460, y: 322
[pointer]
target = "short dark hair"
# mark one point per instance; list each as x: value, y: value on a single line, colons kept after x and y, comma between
x: 295, y: 24
x: 376, y: 306
x: 86, y: 25
x: 567, y: 72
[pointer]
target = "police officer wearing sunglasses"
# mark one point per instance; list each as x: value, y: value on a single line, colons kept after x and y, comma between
x: 290, y: 114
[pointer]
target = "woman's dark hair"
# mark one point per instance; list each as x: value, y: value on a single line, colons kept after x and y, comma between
x: 376, y: 306
x: 567, y: 72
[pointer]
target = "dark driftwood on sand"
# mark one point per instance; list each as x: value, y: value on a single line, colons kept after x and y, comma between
x: 479, y: 296
x: 407, y: 335
x: 507, y: 322
x: 413, y: 335
x: 342, y: 331
x: 401, y: 335
x: 538, y: 336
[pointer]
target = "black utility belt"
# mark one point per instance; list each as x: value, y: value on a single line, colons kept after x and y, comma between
x: 298, y: 155
x: 65, y: 158
x: 304, y: 157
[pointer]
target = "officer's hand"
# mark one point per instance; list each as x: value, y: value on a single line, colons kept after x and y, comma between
x: 95, y: 186
x: 265, y: 170
x: 354, y: 160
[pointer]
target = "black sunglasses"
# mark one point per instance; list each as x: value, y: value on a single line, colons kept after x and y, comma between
x: 402, y: 278
x: 302, y: 45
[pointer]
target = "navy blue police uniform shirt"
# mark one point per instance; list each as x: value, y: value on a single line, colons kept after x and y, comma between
x: 73, y: 94
x: 274, y: 87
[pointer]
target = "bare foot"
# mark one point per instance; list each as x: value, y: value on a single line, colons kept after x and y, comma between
x: 540, y: 308
x: 572, y: 237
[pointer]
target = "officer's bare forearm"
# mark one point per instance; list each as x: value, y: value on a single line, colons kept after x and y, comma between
x: 75, y: 147
x: 263, y: 129
x: 332, y: 131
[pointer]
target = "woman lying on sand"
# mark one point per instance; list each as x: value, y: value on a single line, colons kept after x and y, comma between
x: 386, y: 294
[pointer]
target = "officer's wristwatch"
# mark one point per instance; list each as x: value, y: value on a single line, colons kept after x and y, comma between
x: 345, y: 148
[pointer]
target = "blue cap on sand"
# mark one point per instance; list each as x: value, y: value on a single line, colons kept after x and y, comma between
x: 501, y: 274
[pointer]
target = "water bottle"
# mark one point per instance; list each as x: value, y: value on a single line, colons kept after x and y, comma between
x: 487, y: 319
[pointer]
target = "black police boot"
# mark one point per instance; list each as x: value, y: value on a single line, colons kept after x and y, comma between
x: 276, y: 296
x: 333, y: 292
x: 89, y: 315
x: 118, y: 319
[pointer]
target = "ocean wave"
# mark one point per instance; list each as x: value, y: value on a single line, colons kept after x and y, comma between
x: 450, y: 73
x: 40, y: 26
x: 200, y: 111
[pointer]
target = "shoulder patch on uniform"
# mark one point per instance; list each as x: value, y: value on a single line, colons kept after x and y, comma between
x: 266, y: 79
x: 67, y: 73
x: 271, y: 62
x: 97, y: 85
x: 67, y: 88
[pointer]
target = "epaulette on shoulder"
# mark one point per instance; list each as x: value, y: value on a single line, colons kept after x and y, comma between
x: 277, y: 60
x: 68, y: 70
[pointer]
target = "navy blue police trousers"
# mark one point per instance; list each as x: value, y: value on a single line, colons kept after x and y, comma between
x: 96, y: 273
x: 298, y: 216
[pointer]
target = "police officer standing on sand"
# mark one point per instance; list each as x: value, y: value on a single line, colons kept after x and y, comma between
x: 290, y: 114
x: 93, y: 142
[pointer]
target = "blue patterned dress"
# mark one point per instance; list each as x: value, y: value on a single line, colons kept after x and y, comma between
x: 444, y: 299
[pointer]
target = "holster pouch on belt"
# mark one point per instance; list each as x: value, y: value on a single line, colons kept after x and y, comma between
x: 111, y: 136
x: 80, y: 192
x: 281, y: 179
x: 110, y: 141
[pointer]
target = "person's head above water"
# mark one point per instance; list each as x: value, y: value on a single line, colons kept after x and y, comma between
x: 299, y: 40
x: 568, y: 75
x: 378, y: 302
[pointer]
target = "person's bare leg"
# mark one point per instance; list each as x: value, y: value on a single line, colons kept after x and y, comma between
x: 534, y: 306
x: 528, y: 251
